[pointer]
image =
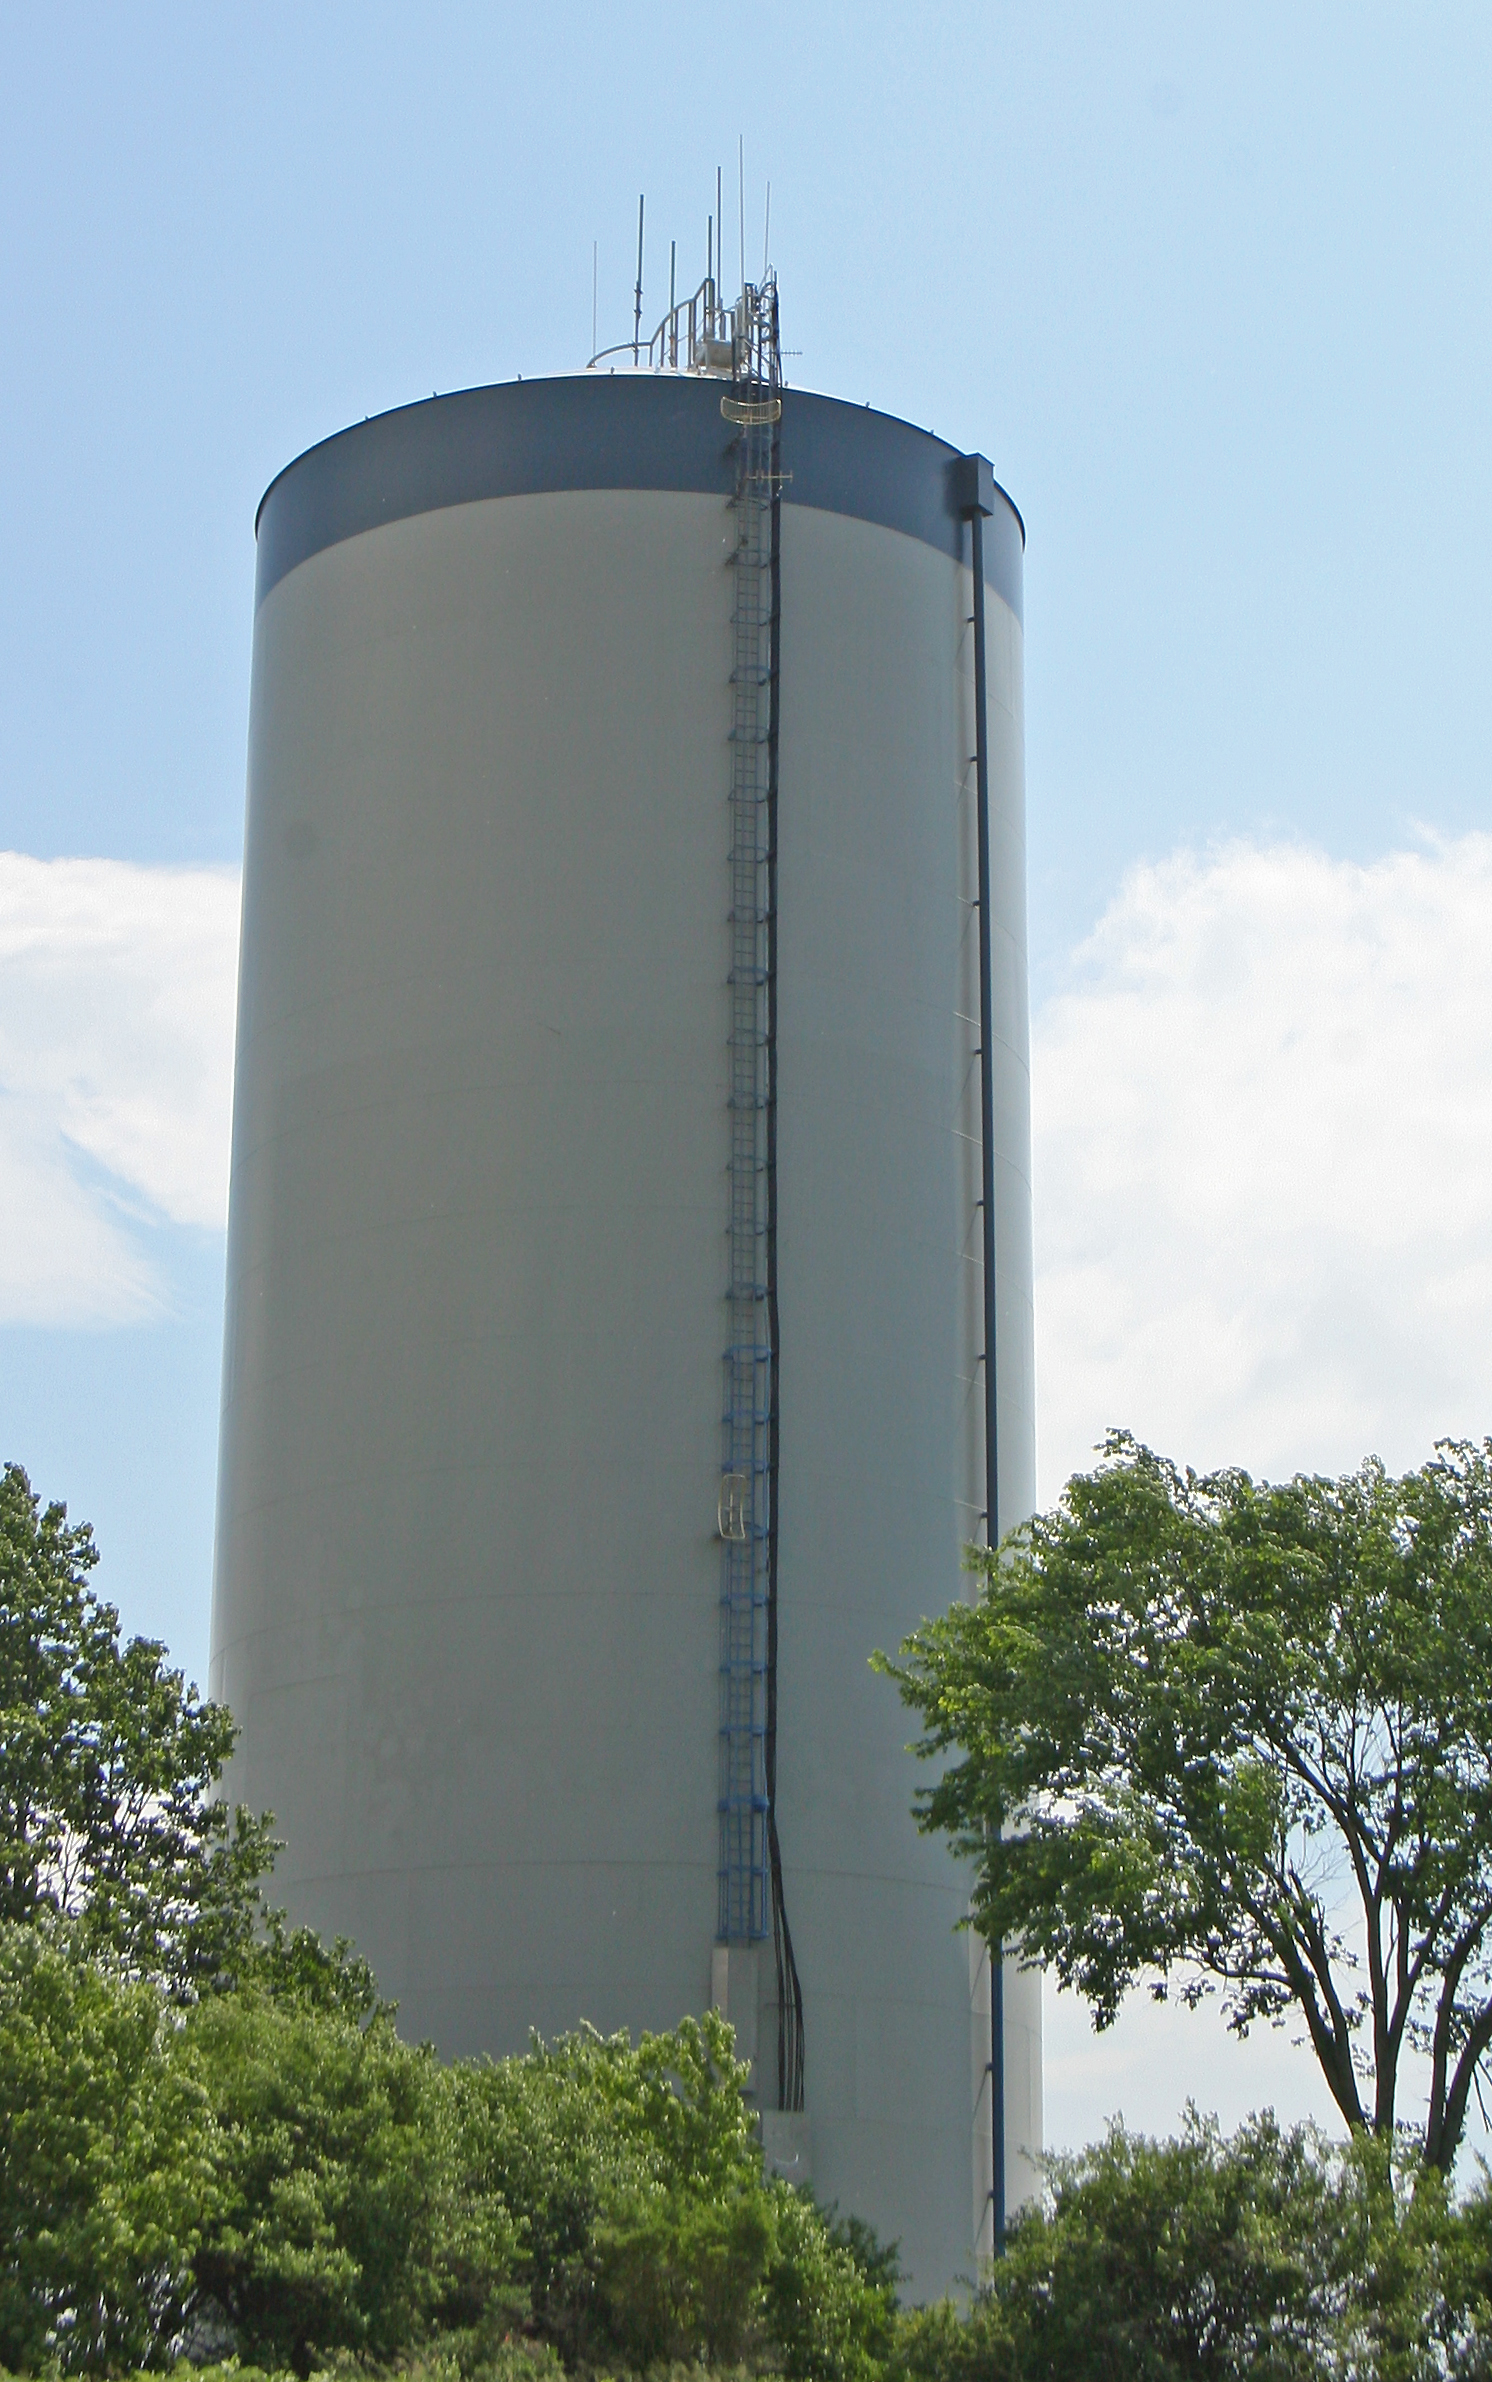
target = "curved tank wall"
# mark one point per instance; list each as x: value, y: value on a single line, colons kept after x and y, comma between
x: 466, y: 1605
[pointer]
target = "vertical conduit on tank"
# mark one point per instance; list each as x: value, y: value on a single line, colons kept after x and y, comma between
x: 789, y: 1992
x: 750, y: 1853
x: 975, y: 481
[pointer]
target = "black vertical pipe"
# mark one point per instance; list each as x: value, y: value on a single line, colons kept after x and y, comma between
x: 977, y: 494
x: 986, y: 1049
x: 790, y: 2042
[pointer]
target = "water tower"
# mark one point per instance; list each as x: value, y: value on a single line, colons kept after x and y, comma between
x: 630, y: 1165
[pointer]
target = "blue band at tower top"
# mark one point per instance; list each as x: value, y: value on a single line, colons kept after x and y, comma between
x: 529, y: 438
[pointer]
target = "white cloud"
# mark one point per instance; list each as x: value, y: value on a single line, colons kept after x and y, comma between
x: 117, y: 988
x: 1263, y: 1185
x: 1158, y: 2056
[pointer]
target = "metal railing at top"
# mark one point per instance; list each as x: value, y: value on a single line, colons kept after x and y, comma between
x: 699, y: 334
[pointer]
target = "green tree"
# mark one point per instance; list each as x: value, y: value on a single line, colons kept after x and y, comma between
x: 109, y: 1764
x: 1269, y: 2256
x: 212, y: 2122
x: 831, y: 2294
x: 649, y: 2231
x: 646, y: 2226
x: 1191, y: 1717
x: 341, y: 2214
x: 105, y: 2167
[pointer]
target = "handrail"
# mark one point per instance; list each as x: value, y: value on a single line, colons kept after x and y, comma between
x: 697, y: 324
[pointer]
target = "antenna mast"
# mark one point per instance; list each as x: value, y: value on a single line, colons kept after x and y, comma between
x: 699, y: 332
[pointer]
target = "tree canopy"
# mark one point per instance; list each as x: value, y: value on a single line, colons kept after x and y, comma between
x: 1273, y: 2256
x: 1213, y: 1734
x: 210, y: 2129
x: 110, y: 1812
x: 213, y: 2140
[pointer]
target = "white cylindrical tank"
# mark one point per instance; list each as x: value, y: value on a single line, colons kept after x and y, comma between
x: 467, y: 1606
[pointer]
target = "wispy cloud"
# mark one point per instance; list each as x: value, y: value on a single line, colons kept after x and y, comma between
x: 1264, y: 1162
x: 116, y: 1063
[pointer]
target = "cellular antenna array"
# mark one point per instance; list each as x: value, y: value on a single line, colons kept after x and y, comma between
x: 701, y: 333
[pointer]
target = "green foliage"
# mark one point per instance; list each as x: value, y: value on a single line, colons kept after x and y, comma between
x: 1267, y: 2257
x: 1403, y: 2269
x: 1180, y: 2258
x: 1187, y: 1713
x: 210, y: 2132
x: 104, y: 2161
x: 450, y: 2358
x: 292, y: 1964
x: 339, y: 2217
x: 831, y: 2295
x: 271, y: 2163
x: 650, y: 2234
x: 108, y: 1763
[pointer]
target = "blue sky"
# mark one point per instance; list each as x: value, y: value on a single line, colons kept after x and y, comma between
x: 1209, y: 286
x: 1211, y: 289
